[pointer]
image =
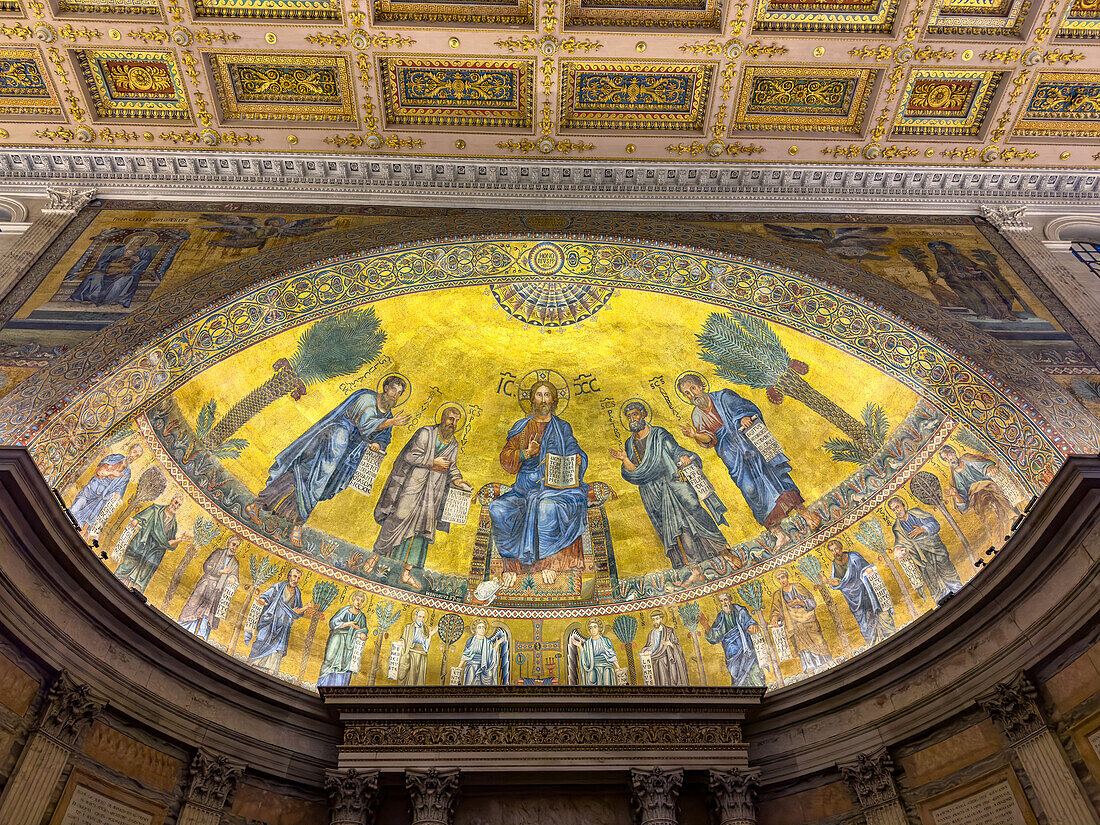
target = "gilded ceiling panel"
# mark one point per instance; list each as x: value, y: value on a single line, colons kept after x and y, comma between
x: 634, y: 95
x: 1082, y: 20
x: 107, y: 7
x: 124, y: 83
x: 825, y: 16
x: 270, y: 9
x: 24, y: 87
x: 978, y: 17
x: 425, y: 91
x: 944, y: 103
x: 803, y: 98
x: 303, y: 87
x: 1062, y: 104
x: 510, y: 12
x: 657, y: 14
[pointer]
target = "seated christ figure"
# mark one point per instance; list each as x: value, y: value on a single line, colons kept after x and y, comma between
x: 538, y: 528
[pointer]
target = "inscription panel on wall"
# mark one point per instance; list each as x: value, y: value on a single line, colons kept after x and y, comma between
x: 87, y: 807
x: 993, y: 798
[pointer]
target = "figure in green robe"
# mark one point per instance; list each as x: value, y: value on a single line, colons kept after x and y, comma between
x: 155, y: 536
x: 595, y: 657
x: 346, y: 625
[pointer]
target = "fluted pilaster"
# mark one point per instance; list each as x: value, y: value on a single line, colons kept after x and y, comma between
x: 353, y: 796
x: 871, y: 779
x: 210, y: 783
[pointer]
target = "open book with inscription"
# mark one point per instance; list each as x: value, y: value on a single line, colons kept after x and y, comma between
x: 562, y: 471
x: 762, y: 438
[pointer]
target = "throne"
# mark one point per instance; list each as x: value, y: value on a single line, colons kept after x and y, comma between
x: 592, y: 585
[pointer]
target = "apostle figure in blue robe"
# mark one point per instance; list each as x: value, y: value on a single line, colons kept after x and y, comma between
x: 538, y: 528
x: 345, y: 629
x: 917, y: 533
x: 731, y: 629
x: 875, y: 619
x: 110, y: 481
x: 322, y: 461
x: 118, y: 271
x: 282, y: 607
x: 720, y: 420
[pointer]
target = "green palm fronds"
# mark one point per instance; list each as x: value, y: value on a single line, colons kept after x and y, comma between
x: 753, y: 594
x: 870, y: 535
x: 207, y: 415
x: 324, y: 593
x: 205, y: 531
x: 689, y: 613
x: 745, y: 350
x: 1087, y: 390
x: 386, y: 616
x: 626, y: 628
x: 338, y: 345
x: 261, y: 569
x: 810, y: 565
x: 917, y: 257
x: 860, y: 452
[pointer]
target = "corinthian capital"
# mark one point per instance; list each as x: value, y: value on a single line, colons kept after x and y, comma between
x: 67, y: 201
x: 433, y: 795
x: 68, y: 710
x: 1012, y: 706
x: 1006, y: 218
x: 733, y: 796
x: 655, y: 794
x: 353, y: 795
x: 871, y: 778
x: 212, y: 779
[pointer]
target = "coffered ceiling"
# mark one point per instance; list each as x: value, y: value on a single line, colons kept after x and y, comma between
x: 937, y: 82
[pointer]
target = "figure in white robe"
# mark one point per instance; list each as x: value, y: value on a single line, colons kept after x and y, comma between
x: 486, y: 659
x: 220, y: 574
x: 596, y: 659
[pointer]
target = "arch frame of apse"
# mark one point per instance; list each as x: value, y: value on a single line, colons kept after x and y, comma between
x: 730, y: 263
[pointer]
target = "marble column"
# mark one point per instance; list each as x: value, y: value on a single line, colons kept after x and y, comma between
x: 63, y: 206
x: 68, y: 710
x: 433, y: 795
x: 871, y: 779
x: 1013, y: 708
x: 211, y: 781
x: 733, y: 796
x: 1011, y: 222
x: 353, y: 796
x: 655, y: 793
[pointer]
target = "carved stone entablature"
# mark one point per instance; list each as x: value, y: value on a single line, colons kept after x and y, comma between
x: 1012, y: 706
x: 67, y: 201
x: 655, y: 794
x: 871, y: 778
x: 1006, y: 218
x: 211, y: 781
x: 353, y: 795
x: 433, y: 795
x: 68, y: 710
x: 733, y: 796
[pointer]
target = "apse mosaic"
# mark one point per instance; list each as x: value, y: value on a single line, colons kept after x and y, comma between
x: 602, y: 462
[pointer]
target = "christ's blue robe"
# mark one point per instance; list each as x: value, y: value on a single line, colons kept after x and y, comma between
x: 731, y: 630
x: 324, y: 458
x: 275, y: 621
x: 875, y: 620
x: 91, y: 500
x: 532, y: 521
x: 760, y: 482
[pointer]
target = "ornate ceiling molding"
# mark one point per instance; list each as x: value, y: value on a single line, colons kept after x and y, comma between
x: 201, y: 175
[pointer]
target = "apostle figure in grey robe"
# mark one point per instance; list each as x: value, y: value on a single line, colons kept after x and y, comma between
x: 221, y: 572
x: 595, y: 657
x: 665, y: 653
x: 345, y: 627
x: 917, y: 533
x: 486, y: 660
x: 282, y: 607
x: 411, y: 505
x: 651, y: 459
x: 155, y: 536
x: 416, y: 638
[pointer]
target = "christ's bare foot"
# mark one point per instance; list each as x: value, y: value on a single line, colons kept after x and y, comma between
x: 781, y: 540
x: 549, y: 576
x: 507, y: 579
